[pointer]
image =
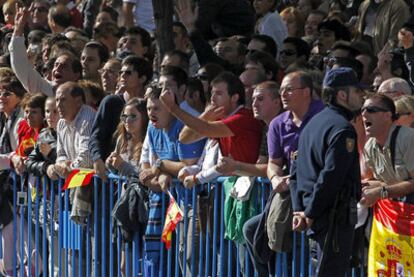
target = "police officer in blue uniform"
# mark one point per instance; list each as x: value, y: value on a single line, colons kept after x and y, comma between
x: 325, y: 179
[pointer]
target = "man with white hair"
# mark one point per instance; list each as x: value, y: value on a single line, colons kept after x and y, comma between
x: 394, y: 88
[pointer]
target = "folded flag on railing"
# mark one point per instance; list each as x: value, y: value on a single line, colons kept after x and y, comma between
x: 172, y: 218
x: 391, y: 248
x: 78, y: 178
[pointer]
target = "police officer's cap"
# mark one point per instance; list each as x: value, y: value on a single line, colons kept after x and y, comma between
x: 341, y: 77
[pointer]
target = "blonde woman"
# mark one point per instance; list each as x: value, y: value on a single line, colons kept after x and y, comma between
x: 405, y: 110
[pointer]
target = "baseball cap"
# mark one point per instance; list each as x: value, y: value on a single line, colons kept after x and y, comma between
x: 341, y: 77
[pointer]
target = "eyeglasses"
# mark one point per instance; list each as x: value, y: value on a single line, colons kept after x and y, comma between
x: 128, y: 118
x: 374, y: 109
x: 289, y: 90
x: 288, y: 52
x: 6, y: 93
x: 127, y: 72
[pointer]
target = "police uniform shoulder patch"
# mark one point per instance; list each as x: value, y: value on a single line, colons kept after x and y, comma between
x: 350, y: 144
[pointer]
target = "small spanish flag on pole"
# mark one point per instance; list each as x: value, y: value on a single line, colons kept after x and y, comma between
x: 78, y: 178
x: 173, y: 217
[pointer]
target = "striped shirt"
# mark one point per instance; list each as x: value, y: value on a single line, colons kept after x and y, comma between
x: 73, y: 138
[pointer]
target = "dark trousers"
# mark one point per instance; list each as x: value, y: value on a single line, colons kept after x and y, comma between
x: 249, y: 229
x: 335, y: 263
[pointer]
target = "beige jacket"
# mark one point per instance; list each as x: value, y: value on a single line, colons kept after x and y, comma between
x: 391, y: 16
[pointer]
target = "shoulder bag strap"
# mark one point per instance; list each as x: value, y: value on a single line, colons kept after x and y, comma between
x: 393, y: 144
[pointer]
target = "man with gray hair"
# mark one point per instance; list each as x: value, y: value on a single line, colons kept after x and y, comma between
x: 394, y: 88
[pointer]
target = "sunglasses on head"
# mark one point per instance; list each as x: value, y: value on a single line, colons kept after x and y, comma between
x: 374, y: 109
x: 128, y: 117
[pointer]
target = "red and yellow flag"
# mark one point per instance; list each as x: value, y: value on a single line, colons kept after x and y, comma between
x: 25, y: 147
x: 173, y: 217
x: 78, y: 178
x: 391, y: 248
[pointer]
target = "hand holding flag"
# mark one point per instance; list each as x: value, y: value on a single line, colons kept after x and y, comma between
x: 173, y: 216
x: 78, y: 178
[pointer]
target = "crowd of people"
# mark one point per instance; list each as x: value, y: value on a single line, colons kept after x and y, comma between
x: 314, y: 95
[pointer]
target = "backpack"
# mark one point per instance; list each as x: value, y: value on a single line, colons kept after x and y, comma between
x: 279, y: 222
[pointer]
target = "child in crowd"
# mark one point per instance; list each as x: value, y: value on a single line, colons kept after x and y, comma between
x: 40, y: 163
x: 29, y: 129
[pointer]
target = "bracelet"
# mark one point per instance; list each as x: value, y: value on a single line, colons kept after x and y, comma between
x: 384, y: 192
x: 274, y: 175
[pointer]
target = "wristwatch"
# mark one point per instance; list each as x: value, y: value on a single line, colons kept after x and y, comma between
x: 384, y: 192
x: 157, y: 166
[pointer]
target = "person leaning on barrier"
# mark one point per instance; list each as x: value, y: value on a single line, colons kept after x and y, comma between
x: 135, y: 73
x: 29, y: 129
x: 44, y: 153
x: 238, y: 133
x: 169, y: 156
x: 73, y: 134
x: 296, y: 97
x: 393, y: 175
x: 11, y: 94
x: 325, y: 180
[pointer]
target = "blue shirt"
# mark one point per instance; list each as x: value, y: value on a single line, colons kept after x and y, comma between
x: 166, y: 146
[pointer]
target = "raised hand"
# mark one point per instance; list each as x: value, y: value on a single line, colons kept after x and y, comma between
x: 186, y: 14
x: 406, y: 38
x: 20, y: 20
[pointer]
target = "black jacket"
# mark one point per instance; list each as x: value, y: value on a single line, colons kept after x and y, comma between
x: 107, y: 117
x: 130, y: 212
x: 37, y: 163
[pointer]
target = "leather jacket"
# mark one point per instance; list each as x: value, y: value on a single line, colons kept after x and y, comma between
x: 37, y: 163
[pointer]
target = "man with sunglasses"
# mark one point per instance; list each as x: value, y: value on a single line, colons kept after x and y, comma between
x: 392, y: 177
x: 325, y: 178
x: 135, y: 73
x: 295, y: 52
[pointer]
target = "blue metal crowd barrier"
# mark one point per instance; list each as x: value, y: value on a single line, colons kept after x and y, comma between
x: 96, y: 250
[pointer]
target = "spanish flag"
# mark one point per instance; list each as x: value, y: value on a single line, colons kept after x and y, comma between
x: 391, y: 248
x: 78, y: 178
x: 173, y: 217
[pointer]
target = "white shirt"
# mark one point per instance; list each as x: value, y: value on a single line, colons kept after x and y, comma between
x: 143, y: 14
x: 273, y: 26
x: 73, y: 138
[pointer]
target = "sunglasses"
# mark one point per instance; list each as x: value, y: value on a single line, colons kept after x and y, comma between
x: 288, y: 52
x: 127, y: 72
x: 374, y: 109
x: 128, y: 118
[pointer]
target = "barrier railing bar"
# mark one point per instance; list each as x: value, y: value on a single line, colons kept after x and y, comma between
x: 111, y: 227
x: 195, y: 231
x: 95, y: 227
x: 103, y: 225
